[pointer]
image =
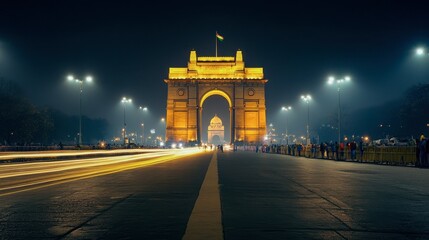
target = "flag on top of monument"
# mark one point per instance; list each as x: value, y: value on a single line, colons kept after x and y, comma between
x: 219, y: 37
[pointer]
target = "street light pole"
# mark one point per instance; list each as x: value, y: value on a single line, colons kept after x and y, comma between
x: 142, y: 133
x: 125, y: 101
x: 88, y: 79
x: 339, y: 82
x: 144, y: 109
x: 339, y: 114
x: 163, y: 128
x: 286, y: 109
x: 307, y: 100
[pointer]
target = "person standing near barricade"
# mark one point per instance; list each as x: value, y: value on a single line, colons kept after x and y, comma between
x: 313, y: 150
x: 299, y: 148
x: 361, y: 150
x: 418, y: 163
x: 353, y: 150
x: 322, y: 150
x: 335, y: 150
x: 427, y: 153
x: 423, y: 152
x: 341, y: 150
x: 328, y: 150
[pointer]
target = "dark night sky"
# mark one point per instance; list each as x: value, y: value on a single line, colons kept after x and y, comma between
x: 128, y: 48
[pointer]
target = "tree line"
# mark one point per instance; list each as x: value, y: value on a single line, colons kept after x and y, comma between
x: 23, y: 123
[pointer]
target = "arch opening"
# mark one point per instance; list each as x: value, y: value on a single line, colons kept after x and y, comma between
x: 215, y: 92
x: 216, y: 116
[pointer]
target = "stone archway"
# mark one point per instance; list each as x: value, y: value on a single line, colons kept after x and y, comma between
x: 243, y: 88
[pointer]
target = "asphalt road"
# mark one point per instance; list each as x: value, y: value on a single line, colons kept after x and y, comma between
x: 234, y: 195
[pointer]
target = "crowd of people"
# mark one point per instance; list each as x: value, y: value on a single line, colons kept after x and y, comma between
x: 324, y: 150
x: 353, y: 150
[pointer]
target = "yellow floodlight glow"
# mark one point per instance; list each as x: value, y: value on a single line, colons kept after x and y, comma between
x: 216, y: 92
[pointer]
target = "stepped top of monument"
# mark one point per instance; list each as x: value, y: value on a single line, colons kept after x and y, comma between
x: 222, y: 67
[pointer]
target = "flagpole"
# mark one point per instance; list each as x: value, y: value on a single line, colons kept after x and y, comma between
x: 216, y: 42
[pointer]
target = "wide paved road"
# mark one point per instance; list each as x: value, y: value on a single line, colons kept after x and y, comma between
x: 209, y: 195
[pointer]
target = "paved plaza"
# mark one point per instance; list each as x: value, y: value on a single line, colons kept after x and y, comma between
x: 230, y: 195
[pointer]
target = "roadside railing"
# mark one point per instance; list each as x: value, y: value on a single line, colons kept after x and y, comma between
x: 391, y: 155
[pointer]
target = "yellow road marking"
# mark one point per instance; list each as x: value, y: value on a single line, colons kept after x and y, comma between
x: 206, y: 218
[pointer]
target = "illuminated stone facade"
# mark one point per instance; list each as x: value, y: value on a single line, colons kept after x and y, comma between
x: 243, y: 88
x: 215, y: 128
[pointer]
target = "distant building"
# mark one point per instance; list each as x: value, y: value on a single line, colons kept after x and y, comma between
x: 216, y: 131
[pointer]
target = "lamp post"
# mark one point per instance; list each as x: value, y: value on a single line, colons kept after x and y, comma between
x: 80, y: 82
x: 124, y: 102
x: 142, y: 133
x: 144, y: 109
x: 339, y: 82
x: 163, y: 127
x: 307, y: 99
x: 286, y: 109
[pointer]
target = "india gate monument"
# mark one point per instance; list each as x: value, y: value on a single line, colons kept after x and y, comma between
x: 242, y: 87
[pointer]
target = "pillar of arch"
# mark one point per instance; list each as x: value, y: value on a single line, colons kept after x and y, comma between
x: 243, y: 88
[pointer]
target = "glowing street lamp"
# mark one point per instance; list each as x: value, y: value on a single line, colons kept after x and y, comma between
x: 71, y: 78
x: 420, y: 51
x: 286, y: 109
x: 144, y: 109
x: 307, y: 99
x: 124, y: 102
x: 339, y: 82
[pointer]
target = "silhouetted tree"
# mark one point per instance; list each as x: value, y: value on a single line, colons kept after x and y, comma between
x: 414, y: 110
x: 22, y: 123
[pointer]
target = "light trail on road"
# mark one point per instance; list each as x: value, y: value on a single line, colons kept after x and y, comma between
x: 21, y: 177
x: 67, y: 153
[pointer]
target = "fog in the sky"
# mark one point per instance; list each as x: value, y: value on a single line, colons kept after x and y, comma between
x: 128, y: 49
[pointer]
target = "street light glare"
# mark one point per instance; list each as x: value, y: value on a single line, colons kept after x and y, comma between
x: 331, y: 80
x: 420, y: 51
x: 125, y: 100
x: 70, y: 77
x: 286, y: 108
x: 89, y: 78
x: 348, y: 78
